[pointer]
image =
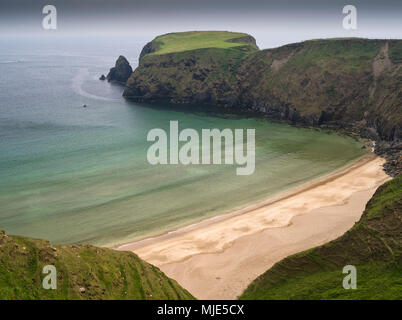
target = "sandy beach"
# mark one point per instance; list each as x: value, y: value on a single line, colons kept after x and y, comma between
x: 218, y: 257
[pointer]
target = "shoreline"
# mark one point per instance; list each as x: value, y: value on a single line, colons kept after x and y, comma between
x: 196, y: 254
x: 239, y: 210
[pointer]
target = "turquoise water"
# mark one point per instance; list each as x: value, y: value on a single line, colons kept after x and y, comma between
x: 71, y: 174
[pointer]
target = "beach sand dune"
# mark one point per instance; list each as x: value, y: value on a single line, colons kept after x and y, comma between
x: 217, y: 258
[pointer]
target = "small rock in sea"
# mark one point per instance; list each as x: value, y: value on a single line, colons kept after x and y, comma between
x: 84, y: 106
x: 102, y: 77
x: 120, y: 72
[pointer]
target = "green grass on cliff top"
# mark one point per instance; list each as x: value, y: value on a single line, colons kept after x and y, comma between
x: 184, y: 41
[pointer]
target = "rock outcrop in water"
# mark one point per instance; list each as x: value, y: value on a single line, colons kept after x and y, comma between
x: 120, y: 72
x: 347, y: 84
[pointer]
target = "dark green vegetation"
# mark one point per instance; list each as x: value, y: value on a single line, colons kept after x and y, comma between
x: 373, y: 246
x: 83, y: 272
x: 337, y: 82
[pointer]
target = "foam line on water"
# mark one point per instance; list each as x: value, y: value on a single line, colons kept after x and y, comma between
x: 78, y: 81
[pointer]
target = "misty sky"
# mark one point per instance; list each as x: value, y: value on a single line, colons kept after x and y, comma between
x: 272, y: 23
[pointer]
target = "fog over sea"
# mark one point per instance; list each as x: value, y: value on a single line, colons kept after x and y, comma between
x: 71, y: 174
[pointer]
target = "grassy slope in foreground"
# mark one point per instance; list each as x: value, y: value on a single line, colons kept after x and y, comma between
x: 373, y: 245
x: 83, y: 272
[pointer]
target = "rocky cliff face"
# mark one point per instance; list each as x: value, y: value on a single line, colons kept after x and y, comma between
x: 332, y: 82
x: 352, y: 84
x: 120, y: 72
x: 150, y: 47
x: 206, y: 77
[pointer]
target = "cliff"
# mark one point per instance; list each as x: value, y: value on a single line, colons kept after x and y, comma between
x: 83, y: 272
x: 350, y: 84
x: 373, y: 246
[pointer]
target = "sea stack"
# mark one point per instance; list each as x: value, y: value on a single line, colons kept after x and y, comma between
x: 120, y: 72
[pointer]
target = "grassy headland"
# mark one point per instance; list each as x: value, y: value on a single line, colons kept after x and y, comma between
x: 190, y: 66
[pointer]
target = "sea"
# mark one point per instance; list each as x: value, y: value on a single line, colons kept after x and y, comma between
x: 71, y: 174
